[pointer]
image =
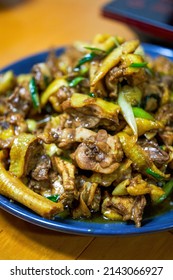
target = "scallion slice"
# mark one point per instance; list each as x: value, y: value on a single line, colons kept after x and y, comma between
x: 53, y: 198
x: 127, y: 111
x: 34, y: 93
x: 76, y: 81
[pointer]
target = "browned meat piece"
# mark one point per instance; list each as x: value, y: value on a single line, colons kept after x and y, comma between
x: 41, y: 171
x: 19, y: 101
x: 68, y: 136
x: 3, y: 105
x: 4, y: 154
x: 63, y: 94
x: 80, y: 120
x: 89, y: 200
x: 163, y: 65
x: 138, y: 209
x: 122, y: 173
x: 167, y: 136
x: 152, y: 96
x: 40, y: 187
x: 127, y: 207
x: 10, y: 126
x: 67, y: 172
x: 137, y: 186
x: 70, y: 58
x: 107, y: 112
x: 53, y: 185
x: 91, y: 195
x: 64, y: 64
x: 64, y: 138
x: 101, y: 153
x: 59, y: 97
x: 42, y: 75
x: 56, y: 183
x: 91, y: 107
x: 167, y: 80
x: 114, y: 74
x: 32, y: 156
x: 52, y: 127
x: 157, y: 155
x: 77, y: 119
x: 117, y: 74
x: 6, y: 133
x: 165, y: 114
x: 138, y: 79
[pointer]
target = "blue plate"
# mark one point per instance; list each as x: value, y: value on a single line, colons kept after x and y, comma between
x: 153, y: 224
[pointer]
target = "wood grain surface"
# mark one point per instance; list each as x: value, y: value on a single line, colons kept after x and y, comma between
x: 32, y: 26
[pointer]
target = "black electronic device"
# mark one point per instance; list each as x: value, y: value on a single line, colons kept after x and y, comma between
x: 151, y: 19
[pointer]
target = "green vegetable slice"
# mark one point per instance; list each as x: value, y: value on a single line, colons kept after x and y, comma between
x: 157, y: 176
x: 86, y: 58
x: 168, y: 188
x: 139, y: 65
x: 92, y: 94
x: 34, y: 93
x: 96, y: 50
x: 141, y: 113
x: 53, y: 198
x: 76, y: 81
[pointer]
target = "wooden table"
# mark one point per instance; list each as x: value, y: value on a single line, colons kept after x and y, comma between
x: 30, y: 27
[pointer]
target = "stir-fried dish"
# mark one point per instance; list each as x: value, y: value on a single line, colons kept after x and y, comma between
x: 89, y: 131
